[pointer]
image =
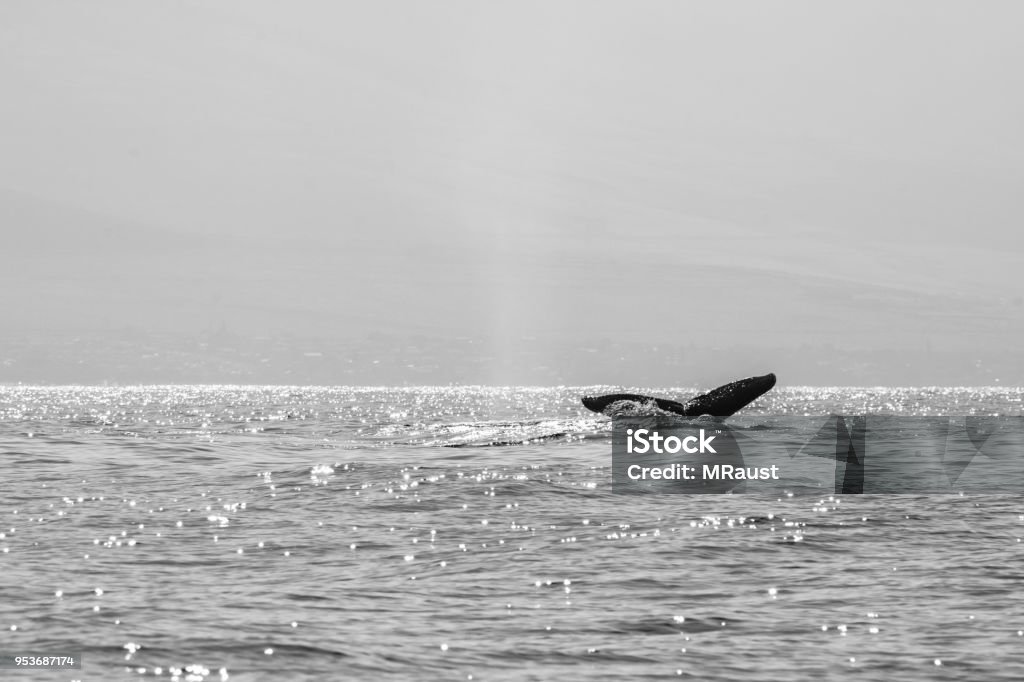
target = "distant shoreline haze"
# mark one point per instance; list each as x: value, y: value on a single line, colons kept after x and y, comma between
x: 207, y: 193
x: 225, y: 358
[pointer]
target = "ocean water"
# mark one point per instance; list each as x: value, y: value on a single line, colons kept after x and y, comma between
x: 303, y: 533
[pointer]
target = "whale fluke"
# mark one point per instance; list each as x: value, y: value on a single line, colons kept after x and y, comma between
x: 729, y: 399
x: 723, y: 401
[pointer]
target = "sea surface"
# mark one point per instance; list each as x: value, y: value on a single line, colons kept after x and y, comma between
x: 470, y: 533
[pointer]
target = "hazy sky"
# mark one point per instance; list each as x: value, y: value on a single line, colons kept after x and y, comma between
x: 844, y: 173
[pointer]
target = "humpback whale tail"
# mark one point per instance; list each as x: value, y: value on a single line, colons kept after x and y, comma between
x: 723, y: 401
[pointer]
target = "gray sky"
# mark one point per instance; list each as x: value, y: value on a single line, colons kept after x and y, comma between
x: 846, y: 174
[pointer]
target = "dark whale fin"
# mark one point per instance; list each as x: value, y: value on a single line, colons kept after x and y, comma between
x: 727, y: 400
x: 723, y: 401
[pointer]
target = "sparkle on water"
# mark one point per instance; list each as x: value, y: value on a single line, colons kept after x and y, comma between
x: 467, y: 532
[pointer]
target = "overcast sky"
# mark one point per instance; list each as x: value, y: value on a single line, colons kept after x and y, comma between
x: 845, y: 173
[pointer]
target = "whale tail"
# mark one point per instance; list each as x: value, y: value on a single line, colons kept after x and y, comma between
x: 729, y: 399
x: 723, y: 401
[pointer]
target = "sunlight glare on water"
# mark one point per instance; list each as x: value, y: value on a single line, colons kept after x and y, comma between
x: 265, y: 533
